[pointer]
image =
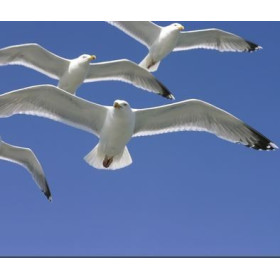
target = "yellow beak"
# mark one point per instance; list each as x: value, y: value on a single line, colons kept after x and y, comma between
x: 92, y: 57
x: 117, y: 105
x: 181, y: 28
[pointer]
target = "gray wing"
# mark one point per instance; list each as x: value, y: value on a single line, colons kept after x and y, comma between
x: 56, y: 104
x: 144, y: 32
x: 36, y: 57
x: 214, y: 39
x: 196, y: 115
x: 26, y: 158
x: 129, y: 72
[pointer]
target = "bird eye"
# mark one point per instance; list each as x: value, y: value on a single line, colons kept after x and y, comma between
x: 125, y: 104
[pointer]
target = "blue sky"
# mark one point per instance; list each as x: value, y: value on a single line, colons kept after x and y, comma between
x: 186, y: 194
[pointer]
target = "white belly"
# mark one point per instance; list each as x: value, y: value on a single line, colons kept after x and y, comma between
x: 164, y: 44
x: 116, y: 132
x: 73, y: 78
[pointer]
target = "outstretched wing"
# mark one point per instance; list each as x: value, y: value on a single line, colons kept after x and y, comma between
x: 196, y: 115
x: 26, y: 158
x: 129, y: 72
x: 56, y: 104
x: 144, y: 32
x: 36, y: 57
x: 214, y: 39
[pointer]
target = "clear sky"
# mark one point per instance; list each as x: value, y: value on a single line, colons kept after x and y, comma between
x: 186, y: 194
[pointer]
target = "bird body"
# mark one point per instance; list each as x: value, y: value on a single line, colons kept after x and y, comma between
x: 116, y: 132
x: 164, y: 44
x: 118, y: 129
x: 75, y: 74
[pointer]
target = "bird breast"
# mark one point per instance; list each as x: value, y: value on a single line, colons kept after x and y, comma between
x: 73, y: 77
x: 117, y: 131
x: 164, y: 44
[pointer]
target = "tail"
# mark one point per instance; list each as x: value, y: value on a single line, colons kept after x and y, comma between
x: 148, y: 64
x: 96, y: 156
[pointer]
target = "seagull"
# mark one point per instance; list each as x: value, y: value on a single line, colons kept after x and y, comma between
x: 26, y: 158
x: 72, y: 73
x: 161, y: 41
x: 116, y: 125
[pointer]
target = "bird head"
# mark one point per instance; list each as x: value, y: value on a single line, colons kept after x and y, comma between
x: 120, y: 105
x: 86, y: 58
x: 178, y: 26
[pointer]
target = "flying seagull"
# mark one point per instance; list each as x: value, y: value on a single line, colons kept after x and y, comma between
x: 72, y: 73
x: 116, y: 125
x: 26, y: 158
x: 163, y: 40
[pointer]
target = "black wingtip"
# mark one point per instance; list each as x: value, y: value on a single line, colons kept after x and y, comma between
x: 252, y: 47
x: 171, y: 97
x: 263, y: 146
x: 47, y: 193
x: 166, y: 93
x: 260, y: 142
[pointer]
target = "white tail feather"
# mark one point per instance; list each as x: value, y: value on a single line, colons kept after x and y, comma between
x: 147, y: 61
x: 96, y: 156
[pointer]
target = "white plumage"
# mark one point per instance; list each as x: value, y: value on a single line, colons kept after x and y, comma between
x: 163, y: 40
x: 72, y: 73
x: 115, y: 125
x: 26, y: 158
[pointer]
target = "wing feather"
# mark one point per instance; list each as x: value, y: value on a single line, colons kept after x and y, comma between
x: 196, y: 115
x: 36, y: 57
x: 214, y: 39
x: 51, y: 102
x: 129, y: 72
x: 26, y: 158
x: 144, y: 32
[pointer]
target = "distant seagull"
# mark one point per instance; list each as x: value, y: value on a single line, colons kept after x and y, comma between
x: 26, y: 158
x: 163, y: 40
x: 72, y: 73
x: 115, y: 125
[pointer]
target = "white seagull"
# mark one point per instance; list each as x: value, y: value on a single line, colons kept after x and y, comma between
x: 163, y: 40
x: 72, y: 73
x: 116, y: 125
x: 26, y: 158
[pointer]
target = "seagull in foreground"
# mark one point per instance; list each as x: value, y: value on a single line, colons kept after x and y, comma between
x: 163, y: 40
x: 26, y: 158
x: 116, y: 125
x: 72, y: 73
